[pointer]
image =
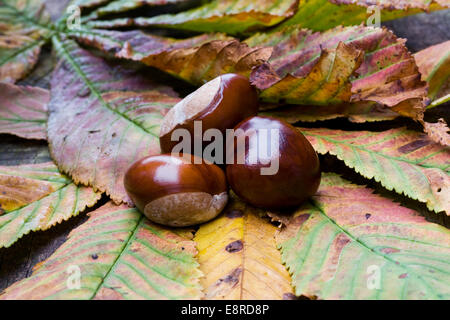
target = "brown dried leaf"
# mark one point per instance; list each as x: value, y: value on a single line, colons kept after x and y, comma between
x: 438, y: 132
x: 196, y: 60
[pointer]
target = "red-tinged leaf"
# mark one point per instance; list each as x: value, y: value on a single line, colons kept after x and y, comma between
x: 21, y: 38
x: 37, y: 197
x: 355, y: 112
x: 196, y: 60
x: 119, y: 254
x: 326, y: 14
x: 229, y: 16
x: 350, y: 243
x: 102, y: 118
x: 434, y: 65
x: 23, y: 111
x: 318, y: 68
x: 407, y: 162
x: 327, y: 82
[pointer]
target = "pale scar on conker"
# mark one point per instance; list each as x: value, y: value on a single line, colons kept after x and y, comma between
x: 175, y: 191
x: 219, y: 104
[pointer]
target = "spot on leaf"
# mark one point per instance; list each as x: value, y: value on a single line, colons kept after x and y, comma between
x: 234, y: 246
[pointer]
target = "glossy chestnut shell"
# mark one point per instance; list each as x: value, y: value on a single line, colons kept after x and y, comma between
x: 176, y: 191
x: 298, y: 174
x: 220, y: 104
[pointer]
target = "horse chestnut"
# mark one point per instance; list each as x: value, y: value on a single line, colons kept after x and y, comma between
x: 176, y: 191
x: 219, y: 104
x: 294, y: 164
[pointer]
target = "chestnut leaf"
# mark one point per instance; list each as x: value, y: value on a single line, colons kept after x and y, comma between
x: 21, y: 39
x: 350, y: 243
x: 433, y: 64
x: 326, y: 14
x: 23, y: 111
x: 120, y: 255
x: 229, y: 16
x: 102, y: 118
x: 345, y: 64
x: 238, y: 256
x: 241, y: 17
x: 137, y: 45
x: 405, y: 161
x: 36, y: 197
x: 195, y: 60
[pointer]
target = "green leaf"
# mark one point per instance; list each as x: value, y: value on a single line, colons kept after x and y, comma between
x: 120, y: 111
x: 352, y: 244
x: 229, y: 16
x: 326, y: 14
x: 23, y: 111
x: 405, y: 161
x: 320, y: 68
x: 24, y: 28
x: 37, y: 197
x: 119, y: 254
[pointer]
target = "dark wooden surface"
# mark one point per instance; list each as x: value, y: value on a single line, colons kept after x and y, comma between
x: 17, y: 261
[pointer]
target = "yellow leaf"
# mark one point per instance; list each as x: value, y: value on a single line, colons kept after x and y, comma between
x: 238, y: 256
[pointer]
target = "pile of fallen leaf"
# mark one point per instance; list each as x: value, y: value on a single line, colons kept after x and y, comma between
x: 310, y: 61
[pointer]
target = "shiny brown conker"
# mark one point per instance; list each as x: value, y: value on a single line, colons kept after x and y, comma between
x: 297, y: 176
x: 176, y: 191
x: 219, y: 104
